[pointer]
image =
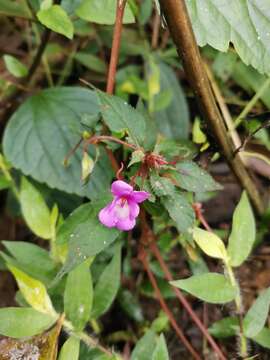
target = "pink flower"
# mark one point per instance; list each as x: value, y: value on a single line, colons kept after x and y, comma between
x: 123, y: 210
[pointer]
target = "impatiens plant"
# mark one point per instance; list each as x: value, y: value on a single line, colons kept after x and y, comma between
x: 110, y: 175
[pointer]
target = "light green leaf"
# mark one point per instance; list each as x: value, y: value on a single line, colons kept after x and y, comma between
x: 136, y: 157
x: 107, y: 285
x: 173, y: 121
x: 191, y: 177
x: 180, y: 211
x: 256, y: 316
x: 210, y: 287
x: 161, y: 351
x: 91, y: 62
x: 210, y: 243
x: 224, y: 328
x: 263, y: 338
x: 161, y: 186
x: 23, y: 322
x: 33, y: 291
x: 120, y: 116
x: 14, y: 66
x: 71, y: 349
x: 78, y: 296
x: 245, y: 24
x: 102, y: 12
x: 47, y: 126
x: 145, y: 347
x: 35, y: 210
x: 56, y: 19
x: 4, y: 183
x: 87, y: 166
x: 243, y: 233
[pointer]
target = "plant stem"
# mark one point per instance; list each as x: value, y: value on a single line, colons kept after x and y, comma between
x: 178, y: 21
x: 252, y: 102
x: 7, y: 175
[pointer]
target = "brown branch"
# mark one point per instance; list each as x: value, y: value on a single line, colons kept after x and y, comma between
x: 178, y: 21
x: 185, y: 303
x: 164, y: 306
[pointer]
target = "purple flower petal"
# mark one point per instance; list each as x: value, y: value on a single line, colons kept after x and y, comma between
x: 133, y: 208
x: 126, y: 224
x: 139, y: 196
x: 106, y: 216
x: 121, y: 188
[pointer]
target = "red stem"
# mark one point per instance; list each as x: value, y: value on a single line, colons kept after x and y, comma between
x: 199, y: 215
x: 179, y: 332
x: 185, y: 303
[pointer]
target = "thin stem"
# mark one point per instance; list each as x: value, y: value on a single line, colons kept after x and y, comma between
x: 115, y: 45
x: 178, y: 330
x: 155, y: 31
x: 100, y: 138
x: 252, y: 102
x: 7, y: 175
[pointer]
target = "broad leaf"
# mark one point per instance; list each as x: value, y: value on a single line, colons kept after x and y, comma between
x: 256, y: 316
x: 145, y: 347
x: 180, y: 211
x: 11, y: 8
x: 245, y: 24
x: 78, y: 296
x: 14, y: 66
x: 91, y: 62
x: 210, y: 243
x: 70, y: 350
x: 173, y: 121
x: 35, y: 210
x: 161, y: 186
x: 23, y: 322
x: 224, y: 328
x: 263, y: 338
x: 47, y: 127
x: 107, y: 285
x: 191, y: 177
x: 243, y: 233
x: 102, y: 12
x: 161, y: 351
x: 120, y: 116
x: 56, y: 19
x: 210, y: 287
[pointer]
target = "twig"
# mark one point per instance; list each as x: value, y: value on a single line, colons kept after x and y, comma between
x: 178, y: 21
x: 115, y: 45
x: 179, y: 332
x: 199, y: 215
x: 155, y: 31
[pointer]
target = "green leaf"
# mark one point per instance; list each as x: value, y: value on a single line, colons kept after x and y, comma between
x: 71, y: 349
x: 107, y: 285
x: 161, y: 351
x: 130, y: 304
x: 102, y: 12
x: 263, y: 338
x: 120, y: 116
x: 256, y: 316
x: 145, y: 347
x: 78, y: 296
x: 33, y: 291
x: 161, y: 186
x: 23, y: 322
x: 245, y: 24
x: 47, y: 127
x: 91, y: 62
x: 210, y: 243
x: 243, y: 233
x: 35, y: 210
x: 180, y: 211
x: 210, y: 287
x: 87, y: 236
x: 4, y: 183
x: 224, y: 328
x: 15, y: 67
x: 173, y: 121
x: 191, y: 177
x: 56, y: 19
x: 11, y: 8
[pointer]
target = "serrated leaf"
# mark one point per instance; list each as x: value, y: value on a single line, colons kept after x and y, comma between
x: 256, y: 316
x: 161, y: 351
x: 243, y: 233
x: 245, y: 24
x: 263, y: 338
x: 120, y: 116
x: 14, y: 66
x: 161, y: 186
x: 210, y: 287
x: 224, y: 328
x: 136, y: 157
x: 33, y: 291
x: 71, y: 349
x: 23, y: 322
x: 78, y: 296
x: 210, y: 243
x: 191, y: 177
x: 180, y: 211
x: 47, y: 126
x: 102, y: 12
x: 144, y: 347
x: 35, y: 210
x: 107, y: 285
x: 56, y: 19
